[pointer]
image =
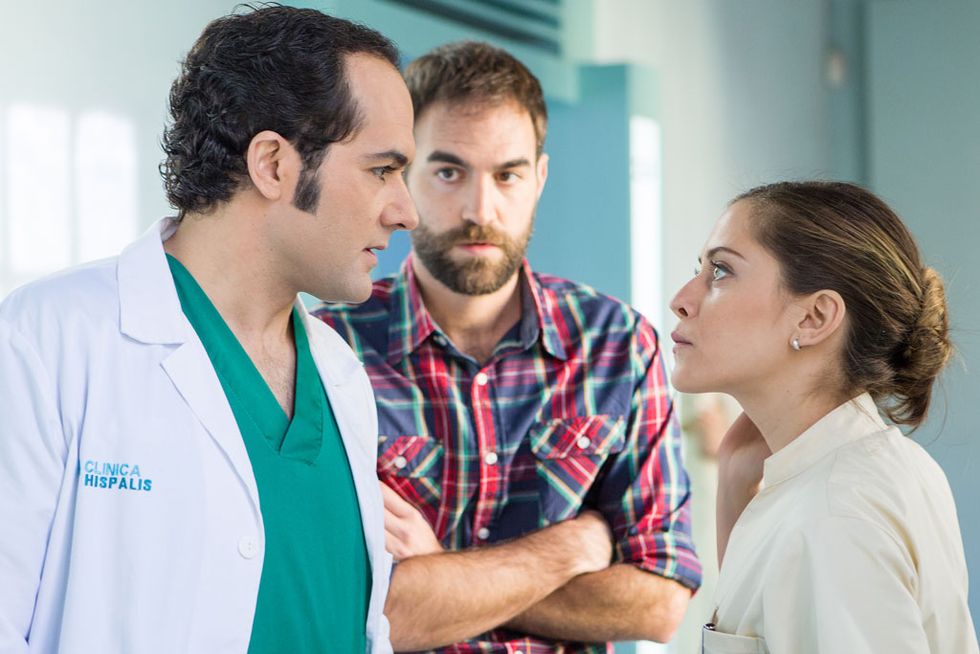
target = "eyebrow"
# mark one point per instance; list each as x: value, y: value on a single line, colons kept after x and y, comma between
x: 400, y: 159
x: 447, y: 157
x: 714, y: 251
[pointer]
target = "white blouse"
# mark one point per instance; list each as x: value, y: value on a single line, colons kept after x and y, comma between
x: 852, y: 547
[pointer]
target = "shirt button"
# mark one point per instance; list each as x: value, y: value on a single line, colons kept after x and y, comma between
x: 483, y: 533
x: 481, y: 379
x: 583, y: 442
x: 490, y: 458
x: 248, y: 547
x: 400, y: 462
x: 440, y: 340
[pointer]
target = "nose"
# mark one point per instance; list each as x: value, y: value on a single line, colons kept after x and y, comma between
x: 684, y: 304
x: 400, y: 212
x: 479, y: 206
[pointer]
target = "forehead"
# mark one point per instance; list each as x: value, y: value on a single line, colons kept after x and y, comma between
x: 500, y: 131
x: 732, y: 229
x: 384, y: 104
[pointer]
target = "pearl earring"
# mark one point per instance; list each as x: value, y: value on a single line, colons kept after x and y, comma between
x: 795, y: 344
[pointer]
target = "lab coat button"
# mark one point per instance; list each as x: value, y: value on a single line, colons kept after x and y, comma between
x: 248, y: 547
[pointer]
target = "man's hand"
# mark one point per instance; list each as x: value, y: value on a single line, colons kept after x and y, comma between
x: 444, y: 598
x: 596, y: 539
x: 407, y: 532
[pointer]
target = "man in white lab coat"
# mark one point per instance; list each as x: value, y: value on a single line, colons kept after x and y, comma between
x: 186, y: 460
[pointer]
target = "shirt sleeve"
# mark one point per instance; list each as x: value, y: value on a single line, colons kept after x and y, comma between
x: 645, y: 491
x: 846, y: 586
x: 32, y: 464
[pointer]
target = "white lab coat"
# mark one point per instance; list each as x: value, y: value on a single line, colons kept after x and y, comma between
x: 99, y: 369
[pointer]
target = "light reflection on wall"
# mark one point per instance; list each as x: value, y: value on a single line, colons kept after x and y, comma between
x: 105, y: 183
x: 38, y: 192
x: 646, y: 220
x: 71, y: 189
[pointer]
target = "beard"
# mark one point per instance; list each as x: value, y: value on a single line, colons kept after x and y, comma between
x: 473, y: 275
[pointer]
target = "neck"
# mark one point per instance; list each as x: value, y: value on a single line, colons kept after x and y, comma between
x: 474, y: 323
x: 783, y: 412
x: 229, y: 257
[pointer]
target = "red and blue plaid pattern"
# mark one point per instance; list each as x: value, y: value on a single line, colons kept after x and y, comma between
x: 571, y: 411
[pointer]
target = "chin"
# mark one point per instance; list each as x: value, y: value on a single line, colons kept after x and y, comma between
x: 683, y: 383
x: 350, y: 293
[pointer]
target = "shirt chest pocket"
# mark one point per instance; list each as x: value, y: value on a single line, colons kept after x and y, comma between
x: 412, y: 465
x: 569, y: 454
x: 717, y: 642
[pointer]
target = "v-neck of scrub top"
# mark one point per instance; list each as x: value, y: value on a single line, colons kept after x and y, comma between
x: 299, y: 438
x: 316, y: 579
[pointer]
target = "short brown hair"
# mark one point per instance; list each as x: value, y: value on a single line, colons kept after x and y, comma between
x: 468, y: 72
x: 838, y: 236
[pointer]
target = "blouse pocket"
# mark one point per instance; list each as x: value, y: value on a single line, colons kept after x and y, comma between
x: 717, y: 642
x: 412, y: 465
x: 569, y: 453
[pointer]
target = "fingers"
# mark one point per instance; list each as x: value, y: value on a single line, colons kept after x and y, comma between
x: 393, y: 502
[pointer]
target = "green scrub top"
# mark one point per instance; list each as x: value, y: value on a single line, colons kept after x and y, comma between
x: 316, y: 580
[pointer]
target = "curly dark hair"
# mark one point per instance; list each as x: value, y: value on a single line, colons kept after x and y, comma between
x: 272, y: 68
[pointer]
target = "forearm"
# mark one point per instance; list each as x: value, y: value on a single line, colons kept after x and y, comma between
x: 621, y: 602
x: 439, y: 599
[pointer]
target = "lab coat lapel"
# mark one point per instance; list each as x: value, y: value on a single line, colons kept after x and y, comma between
x: 353, y: 406
x: 190, y: 369
x: 150, y: 313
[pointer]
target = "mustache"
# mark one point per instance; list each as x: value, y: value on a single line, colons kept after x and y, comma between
x: 474, y: 234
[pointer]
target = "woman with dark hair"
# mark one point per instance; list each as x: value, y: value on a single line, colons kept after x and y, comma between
x: 838, y: 534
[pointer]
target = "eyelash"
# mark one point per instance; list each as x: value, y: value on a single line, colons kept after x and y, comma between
x: 382, y: 172
x: 715, y: 266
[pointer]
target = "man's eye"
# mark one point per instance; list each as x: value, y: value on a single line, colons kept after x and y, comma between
x: 381, y: 172
x: 447, y: 174
x: 507, y: 177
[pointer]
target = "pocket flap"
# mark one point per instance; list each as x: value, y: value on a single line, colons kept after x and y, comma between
x: 409, y: 456
x: 595, y: 435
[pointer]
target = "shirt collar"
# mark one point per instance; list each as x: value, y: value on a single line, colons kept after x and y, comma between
x: 411, y: 323
x: 851, y: 421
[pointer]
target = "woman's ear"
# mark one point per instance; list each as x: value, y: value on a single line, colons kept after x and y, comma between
x: 272, y: 164
x: 823, y: 315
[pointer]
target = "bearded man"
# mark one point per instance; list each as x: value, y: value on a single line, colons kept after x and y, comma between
x: 535, y: 498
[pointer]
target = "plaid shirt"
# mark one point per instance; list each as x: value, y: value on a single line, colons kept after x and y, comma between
x: 572, y: 410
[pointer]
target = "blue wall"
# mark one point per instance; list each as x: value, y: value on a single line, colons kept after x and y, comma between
x: 924, y: 158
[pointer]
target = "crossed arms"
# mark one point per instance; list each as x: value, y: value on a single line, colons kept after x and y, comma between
x: 556, y: 582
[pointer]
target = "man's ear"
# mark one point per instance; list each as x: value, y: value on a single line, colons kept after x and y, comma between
x: 824, y: 313
x: 273, y: 164
x: 541, y: 168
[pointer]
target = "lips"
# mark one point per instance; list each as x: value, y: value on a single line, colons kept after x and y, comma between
x: 679, y: 340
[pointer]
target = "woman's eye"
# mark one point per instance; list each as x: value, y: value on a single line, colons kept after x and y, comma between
x: 718, y: 271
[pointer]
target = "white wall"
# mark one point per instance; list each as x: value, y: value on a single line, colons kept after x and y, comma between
x: 83, y: 89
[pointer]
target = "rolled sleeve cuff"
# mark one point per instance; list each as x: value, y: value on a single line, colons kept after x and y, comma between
x: 664, y: 554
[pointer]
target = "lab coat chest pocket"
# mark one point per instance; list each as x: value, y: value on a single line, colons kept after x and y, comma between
x: 717, y: 642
